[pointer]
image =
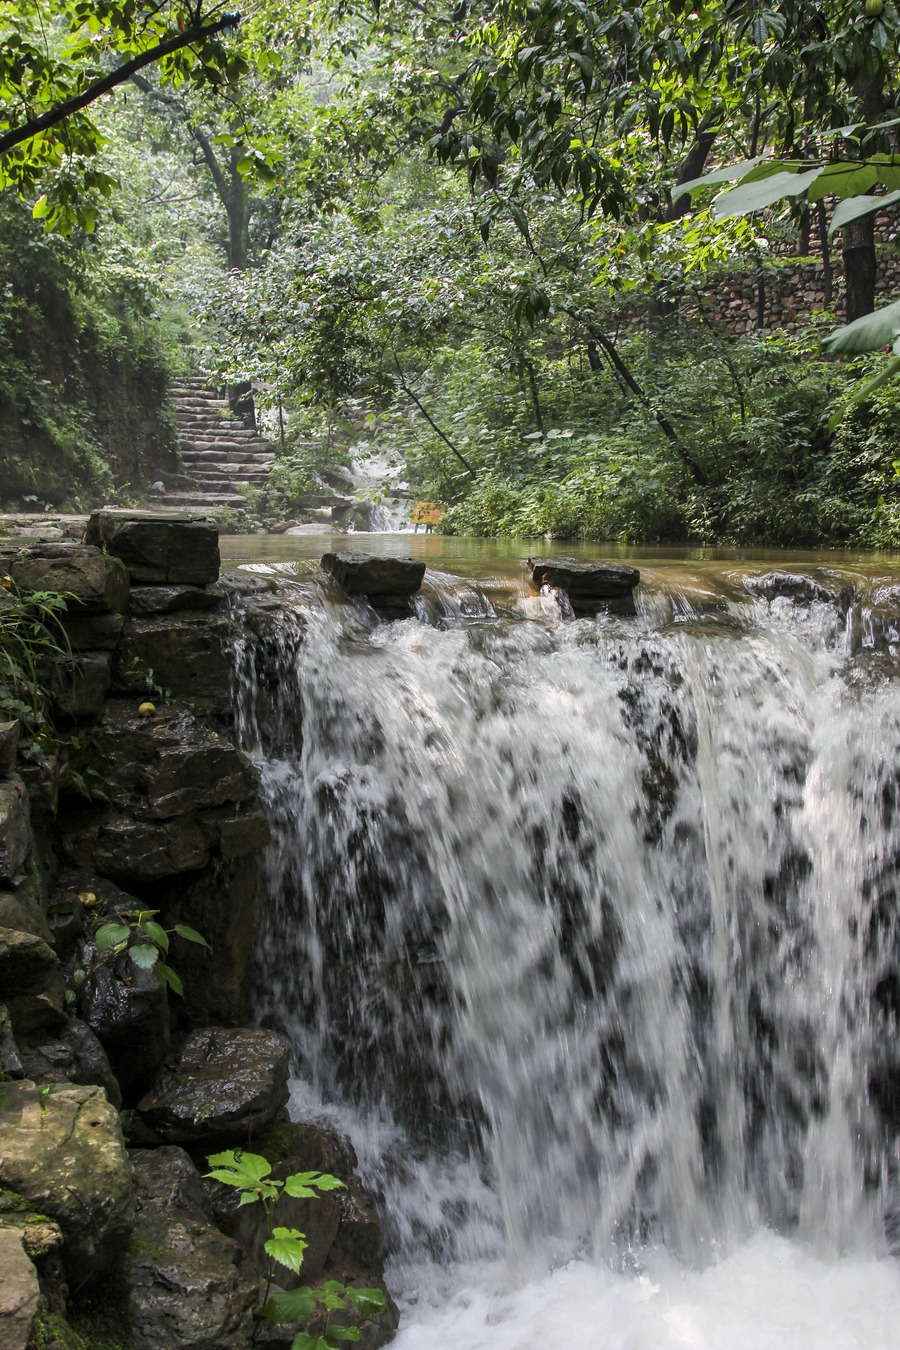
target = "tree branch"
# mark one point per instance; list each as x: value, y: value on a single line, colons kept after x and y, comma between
x: 61, y: 111
x: 429, y: 419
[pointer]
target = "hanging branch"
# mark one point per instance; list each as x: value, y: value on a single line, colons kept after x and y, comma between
x: 430, y: 420
x: 198, y: 32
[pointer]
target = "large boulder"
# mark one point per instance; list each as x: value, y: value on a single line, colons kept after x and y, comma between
x: 224, y: 1083
x: 387, y: 583
x: 63, y: 1152
x: 186, y: 1288
x: 151, y: 600
x: 157, y: 548
x: 590, y: 586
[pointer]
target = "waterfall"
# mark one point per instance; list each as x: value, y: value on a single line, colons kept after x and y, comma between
x: 593, y: 926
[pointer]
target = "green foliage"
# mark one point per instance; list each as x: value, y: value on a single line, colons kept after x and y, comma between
x: 146, y: 942
x: 33, y: 640
x: 251, y: 1175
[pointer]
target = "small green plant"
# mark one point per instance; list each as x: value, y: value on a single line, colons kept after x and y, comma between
x: 32, y: 641
x: 251, y: 1174
x: 146, y: 941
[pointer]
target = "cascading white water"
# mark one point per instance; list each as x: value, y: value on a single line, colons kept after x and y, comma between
x: 592, y: 929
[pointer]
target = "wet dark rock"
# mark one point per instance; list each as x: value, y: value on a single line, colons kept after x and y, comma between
x: 127, y: 1009
x: 22, y: 911
x: 15, y: 827
x: 183, y: 655
x: 63, y: 1152
x: 187, y: 1288
x: 93, y: 632
x: 223, y: 1083
x: 26, y: 962
x: 590, y: 586
x: 221, y: 903
x: 79, y: 689
x: 387, y: 583
x: 151, y: 600
x: 9, y: 747
x: 134, y: 851
x: 76, y: 1057
x: 95, y: 583
x: 803, y: 590
x: 158, y: 549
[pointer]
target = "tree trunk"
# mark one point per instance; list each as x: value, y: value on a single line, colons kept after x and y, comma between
x: 860, y: 266
x: 827, y: 269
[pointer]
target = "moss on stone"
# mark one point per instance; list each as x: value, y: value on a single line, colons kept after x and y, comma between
x: 52, y: 1332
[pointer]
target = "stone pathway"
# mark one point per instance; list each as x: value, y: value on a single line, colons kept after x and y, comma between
x: 218, y: 452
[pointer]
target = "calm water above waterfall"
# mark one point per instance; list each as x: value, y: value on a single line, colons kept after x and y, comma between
x: 588, y: 933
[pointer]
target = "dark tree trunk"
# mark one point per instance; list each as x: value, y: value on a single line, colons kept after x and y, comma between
x: 860, y: 266
x: 825, y: 245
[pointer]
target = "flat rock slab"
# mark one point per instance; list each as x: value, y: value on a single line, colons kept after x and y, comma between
x: 803, y: 590
x: 389, y: 579
x: 151, y: 600
x: 589, y: 585
x: 224, y: 1083
x: 158, y: 548
x: 63, y: 1151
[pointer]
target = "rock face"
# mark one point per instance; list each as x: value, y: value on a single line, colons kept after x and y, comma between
x: 63, y: 1151
x: 387, y: 583
x: 223, y: 1083
x: 94, y: 583
x: 19, y: 1292
x: 15, y: 827
x: 590, y: 586
x: 177, y: 550
x: 187, y: 1290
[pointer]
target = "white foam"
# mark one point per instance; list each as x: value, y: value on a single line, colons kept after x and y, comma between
x: 770, y: 1294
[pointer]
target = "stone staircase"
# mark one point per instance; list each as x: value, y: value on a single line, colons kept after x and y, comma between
x: 218, y: 452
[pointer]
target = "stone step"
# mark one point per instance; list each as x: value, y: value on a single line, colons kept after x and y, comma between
x: 208, y: 454
x: 205, y: 500
x: 226, y: 448
x: 232, y: 473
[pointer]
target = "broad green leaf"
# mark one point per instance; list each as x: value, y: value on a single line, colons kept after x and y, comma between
x: 755, y: 196
x: 303, y: 1185
x: 144, y: 955
x: 166, y: 975
x: 338, y: 1334
x: 866, y: 334
x: 41, y: 208
x: 157, y: 934
x: 727, y: 174
x: 237, y: 1168
x: 366, y: 1300
x: 109, y: 935
x: 304, y: 1341
x: 888, y: 167
x: 855, y: 207
x: 844, y: 180
x: 294, y: 1305
x: 190, y: 934
x: 286, y: 1246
